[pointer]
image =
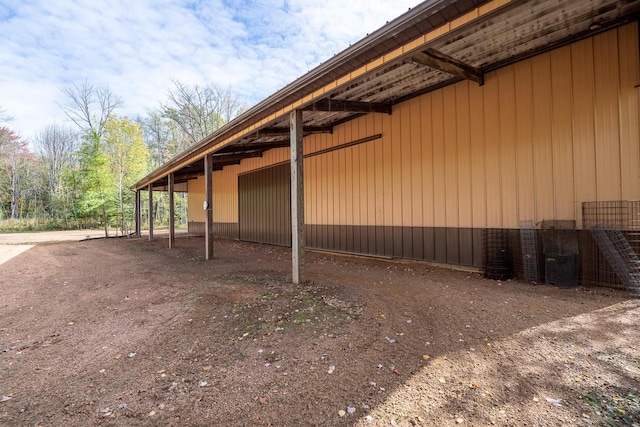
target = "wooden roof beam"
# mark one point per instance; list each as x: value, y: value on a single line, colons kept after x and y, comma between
x: 183, y: 177
x: 255, y: 146
x: 339, y: 105
x: 221, y: 165
x: 222, y: 158
x: 443, y: 62
x: 284, y: 131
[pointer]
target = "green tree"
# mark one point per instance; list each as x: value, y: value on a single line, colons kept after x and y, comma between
x: 90, y: 107
x: 95, y: 184
x: 127, y: 158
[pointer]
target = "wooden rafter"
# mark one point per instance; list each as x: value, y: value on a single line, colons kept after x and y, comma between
x: 443, y: 62
x: 221, y: 158
x: 251, y: 146
x: 339, y: 105
x: 220, y: 166
x: 183, y: 177
x: 284, y: 131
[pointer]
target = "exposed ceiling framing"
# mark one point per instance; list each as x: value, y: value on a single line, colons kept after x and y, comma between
x: 308, y: 130
x: 344, y: 106
x: 507, y: 32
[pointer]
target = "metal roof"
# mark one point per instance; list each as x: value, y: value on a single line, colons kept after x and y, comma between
x: 481, y: 35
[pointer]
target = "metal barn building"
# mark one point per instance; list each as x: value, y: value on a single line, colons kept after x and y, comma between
x: 495, y: 134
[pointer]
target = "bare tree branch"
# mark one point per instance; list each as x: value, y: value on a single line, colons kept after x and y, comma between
x: 89, y: 107
x: 200, y: 110
x: 4, y: 115
x: 55, y: 146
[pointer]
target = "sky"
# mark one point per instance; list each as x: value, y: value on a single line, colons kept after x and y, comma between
x: 137, y: 48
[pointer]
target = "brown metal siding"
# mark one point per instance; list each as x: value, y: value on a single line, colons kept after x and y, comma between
x: 228, y: 230
x: 465, y: 239
x: 428, y: 237
x: 418, y: 243
x: 459, y: 246
x: 265, y: 206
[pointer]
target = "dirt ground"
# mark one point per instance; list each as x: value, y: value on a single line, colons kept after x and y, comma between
x: 128, y: 332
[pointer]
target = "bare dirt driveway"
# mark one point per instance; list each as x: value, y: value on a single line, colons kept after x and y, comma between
x: 49, y: 236
x: 128, y: 332
x: 13, y: 244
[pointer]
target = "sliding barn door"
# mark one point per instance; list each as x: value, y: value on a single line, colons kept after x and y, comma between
x: 265, y: 205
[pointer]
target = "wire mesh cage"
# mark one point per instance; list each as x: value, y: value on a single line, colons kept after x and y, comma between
x: 496, y: 250
x: 560, y: 250
x: 614, y: 215
x: 611, y: 242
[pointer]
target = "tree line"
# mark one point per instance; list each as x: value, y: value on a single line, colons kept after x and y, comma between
x: 78, y: 175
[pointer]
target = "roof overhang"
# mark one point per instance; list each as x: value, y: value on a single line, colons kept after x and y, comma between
x: 438, y: 43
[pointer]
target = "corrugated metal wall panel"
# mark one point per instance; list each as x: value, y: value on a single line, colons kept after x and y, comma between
x: 479, y: 156
x: 508, y: 160
x: 582, y: 76
x: 225, y: 195
x: 439, y: 167
x: 415, y: 135
x: 349, y: 190
x: 465, y: 160
x: 542, y: 144
x: 358, y: 189
x: 608, y: 185
x: 386, y: 198
x: 629, y: 111
x: 451, y: 211
x: 194, y: 200
x: 378, y: 173
x: 492, y: 150
x: 524, y: 140
x: 562, y: 134
x: 406, y: 169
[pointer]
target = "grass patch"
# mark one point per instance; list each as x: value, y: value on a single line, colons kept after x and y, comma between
x: 142, y: 249
x: 263, y: 306
x: 30, y: 225
x: 282, y: 305
x: 613, y: 410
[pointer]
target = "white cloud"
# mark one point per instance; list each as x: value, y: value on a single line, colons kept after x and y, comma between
x: 136, y: 47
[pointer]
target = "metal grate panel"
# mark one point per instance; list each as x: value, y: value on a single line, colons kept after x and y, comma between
x: 620, y: 255
x: 497, y: 254
x: 616, y: 219
x: 529, y: 248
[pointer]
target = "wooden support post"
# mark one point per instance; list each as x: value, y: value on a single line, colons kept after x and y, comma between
x: 150, y: 188
x: 172, y: 223
x: 208, y: 206
x: 297, y: 198
x: 138, y: 213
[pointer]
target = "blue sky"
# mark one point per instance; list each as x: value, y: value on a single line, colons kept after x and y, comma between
x: 137, y: 47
